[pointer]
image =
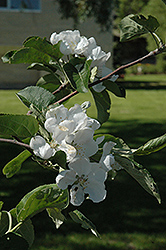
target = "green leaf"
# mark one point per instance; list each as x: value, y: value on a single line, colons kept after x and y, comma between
x: 40, y: 67
x: 150, y: 23
x: 4, y: 222
x: 152, y: 146
x: 26, y: 230
x: 7, y: 56
x: 1, y: 205
x: 39, y: 97
x: 13, y: 241
x: 129, y: 29
x: 103, y: 105
x: 79, y: 79
x: 78, y: 61
x: 60, y: 159
x: 35, y: 50
x: 49, y: 79
x: 44, y: 46
x: 164, y: 1
x: 115, y: 88
x: 12, y: 167
x: 140, y: 174
x: 40, y: 198
x: 56, y: 216
x: 29, y: 55
x: 78, y: 217
x: 21, y: 126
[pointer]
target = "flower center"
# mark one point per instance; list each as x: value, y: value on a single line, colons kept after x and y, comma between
x: 80, y: 149
x: 82, y: 180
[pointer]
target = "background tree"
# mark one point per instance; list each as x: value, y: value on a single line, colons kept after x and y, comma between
x: 157, y: 8
x: 79, y: 10
x: 108, y: 13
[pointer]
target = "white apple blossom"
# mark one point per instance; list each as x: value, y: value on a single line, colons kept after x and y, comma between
x: 70, y: 130
x: 99, y: 59
x: 86, y: 179
x: 83, y: 142
x: 72, y: 42
x: 98, y: 56
x: 107, y: 160
x: 92, y: 44
x: 68, y: 121
x: 41, y: 148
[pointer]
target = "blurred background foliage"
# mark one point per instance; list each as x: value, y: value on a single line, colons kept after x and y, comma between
x: 108, y: 13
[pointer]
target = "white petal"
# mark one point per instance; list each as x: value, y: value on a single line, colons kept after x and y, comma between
x: 45, y: 152
x: 37, y: 142
x: 60, y: 113
x: 53, y: 38
x: 93, y: 123
x: 68, y: 149
x: 85, y: 105
x: 96, y: 191
x: 50, y: 124
x: 91, y: 148
x: 65, y: 49
x: 69, y: 124
x: 59, y: 133
x: 109, y: 161
x: 41, y: 148
x: 77, y: 195
x: 81, y: 166
x: 98, y: 87
x: 108, y: 146
x: 114, y: 78
x: 100, y: 139
x: 97, y: 173
x: 84, y: 142
x: 65, y: 178
x: 91, y: 46
x: 82, y: 45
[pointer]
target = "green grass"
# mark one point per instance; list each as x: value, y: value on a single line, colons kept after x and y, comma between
x: 129, y: 218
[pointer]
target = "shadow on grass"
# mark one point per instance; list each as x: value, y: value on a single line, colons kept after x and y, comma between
x: 143, y: 84
x: 127, y: 208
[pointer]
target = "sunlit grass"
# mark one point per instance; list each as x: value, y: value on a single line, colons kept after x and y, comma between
x: 9, y: 103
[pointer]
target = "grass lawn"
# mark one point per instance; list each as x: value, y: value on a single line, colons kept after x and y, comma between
x: 129, y: 219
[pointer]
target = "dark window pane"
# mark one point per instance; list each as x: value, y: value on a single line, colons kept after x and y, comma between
x: 25, y: 4
x: 3, y: 3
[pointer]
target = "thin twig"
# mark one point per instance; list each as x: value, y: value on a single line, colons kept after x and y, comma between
x: 17, y: 143
x: 152, y: 53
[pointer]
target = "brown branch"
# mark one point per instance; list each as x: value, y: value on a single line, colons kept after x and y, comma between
x: 59, y: 89
x: 150, y: 54
x: 17, y: 143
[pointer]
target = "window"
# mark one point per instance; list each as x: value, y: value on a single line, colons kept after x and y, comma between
x: 25, y: 5
x: 3, y: 3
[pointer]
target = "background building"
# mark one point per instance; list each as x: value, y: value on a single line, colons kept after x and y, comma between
x: 23, y: 18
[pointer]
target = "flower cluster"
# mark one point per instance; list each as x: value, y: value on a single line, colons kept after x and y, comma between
x: 72, y: 131
x: 72, y: 43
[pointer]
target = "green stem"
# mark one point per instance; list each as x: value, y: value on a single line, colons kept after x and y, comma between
x: 15, y: 227
x: 157, y: 39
